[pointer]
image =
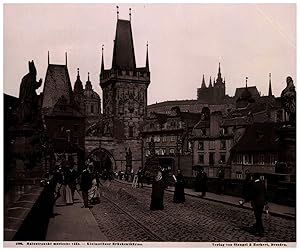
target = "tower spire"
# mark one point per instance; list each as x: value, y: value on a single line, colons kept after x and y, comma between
x: 102, y: 60
x: 78, y: 76
x: 270, y: 86
x: 130, y: 14
x: 203, y: 82
x: 48, y: 58
x: 147, y: 58
x: 210, y: 84
x: 88, y: 77
x: 246, y: 82
x: 117, y: 12
x: 219, y: 72
x: 66, y: 59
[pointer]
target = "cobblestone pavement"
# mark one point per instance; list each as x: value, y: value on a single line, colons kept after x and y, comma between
x: 124, y: 215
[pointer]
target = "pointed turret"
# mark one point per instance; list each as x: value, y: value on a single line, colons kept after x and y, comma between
x: 78, y: 88
x: 219, y: 80
x: 203, y: 85
x: 48, y: 58
x: 88, y: 85
x: 147, y: 59
x: 102, y: 61
x: 270, y: 86
x: 210, y: 84
x: 210, y: 81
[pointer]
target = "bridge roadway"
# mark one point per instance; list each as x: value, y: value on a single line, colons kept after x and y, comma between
x: 124, y: 215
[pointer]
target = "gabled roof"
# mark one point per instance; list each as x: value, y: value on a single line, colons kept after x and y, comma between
x: 252, y: 89
x: 57, y: 84
x: 123, y: 55
x: 259, y: 137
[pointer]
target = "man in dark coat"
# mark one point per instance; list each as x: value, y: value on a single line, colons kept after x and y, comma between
x: 203, y: 183
x: 140, y: 175
x: 72, y: 179
x: 198, y: 182
x: 258, y: 196
x: 85, y: 185
x: 179, y: 188
x: 157, y: 196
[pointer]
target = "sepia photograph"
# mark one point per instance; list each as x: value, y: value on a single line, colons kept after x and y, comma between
x: 149, y: 125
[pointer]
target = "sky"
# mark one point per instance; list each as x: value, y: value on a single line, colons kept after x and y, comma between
x: 185, y: 42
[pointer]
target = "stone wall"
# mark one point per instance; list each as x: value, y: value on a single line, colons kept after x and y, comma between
x: 117, y: 150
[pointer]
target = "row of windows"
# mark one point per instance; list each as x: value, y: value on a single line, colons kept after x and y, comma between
x: 161, y: 138
x: 162, y: 151
x: 91, y: 108
x: 168, y: 125
x: 211, y: 159
x: 212, y: 145
x: 247, y: 159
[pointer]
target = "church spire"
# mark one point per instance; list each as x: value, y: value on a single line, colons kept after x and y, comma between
x: 102, y: 60
x: 270, y: 87
x: 147, y: 58
x: 48, y: 58
x: 210, y: 84
x: 246, y: 82
x: 203, y: 82
x: 78, y: 87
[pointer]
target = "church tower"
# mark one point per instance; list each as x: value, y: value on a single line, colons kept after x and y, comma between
x: 219, y: 87
x: 124, y: 87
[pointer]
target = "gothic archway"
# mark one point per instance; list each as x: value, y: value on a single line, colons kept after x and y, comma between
x: 102, y: 162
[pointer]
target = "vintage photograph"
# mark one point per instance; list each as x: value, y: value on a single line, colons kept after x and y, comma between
x: 149, y: 124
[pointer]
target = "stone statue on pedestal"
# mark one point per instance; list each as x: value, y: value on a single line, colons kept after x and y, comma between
x: 288, y: 100
x: 28, y: 98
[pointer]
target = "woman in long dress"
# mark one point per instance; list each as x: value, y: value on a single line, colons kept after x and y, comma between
x: 157, y: 196
x: 179, y: 188
x: 68, y: 185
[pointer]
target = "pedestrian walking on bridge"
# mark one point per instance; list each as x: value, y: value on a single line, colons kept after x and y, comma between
x: 157, y: 196
x: 258, y: 196
x: 179, y: 188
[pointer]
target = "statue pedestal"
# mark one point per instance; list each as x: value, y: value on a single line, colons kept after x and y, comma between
x: 287, y: 148
x: 25, y: 152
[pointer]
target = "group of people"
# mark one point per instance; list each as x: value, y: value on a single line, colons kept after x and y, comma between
x: 67, y: 180
x: 158, y: 187
x: 254, y: 191
x: 138, y: 178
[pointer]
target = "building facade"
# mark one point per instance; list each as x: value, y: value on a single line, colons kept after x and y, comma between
x: 171, y: 136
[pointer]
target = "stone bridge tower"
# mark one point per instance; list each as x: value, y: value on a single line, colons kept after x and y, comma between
x: 124, y: 87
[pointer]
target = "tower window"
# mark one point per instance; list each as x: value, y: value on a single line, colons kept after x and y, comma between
x: 130, y: 131
x: 92, y: 108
